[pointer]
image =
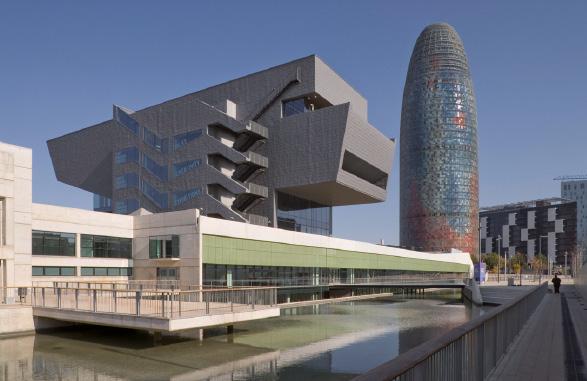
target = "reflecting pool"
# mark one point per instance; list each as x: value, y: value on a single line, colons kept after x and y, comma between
x: 327, y: 342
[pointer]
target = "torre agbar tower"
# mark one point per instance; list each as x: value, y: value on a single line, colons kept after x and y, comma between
x: 439, y: 181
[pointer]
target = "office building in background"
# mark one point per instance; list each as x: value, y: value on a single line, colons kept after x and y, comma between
x: 574, y: 188
x: 439, y: 185
x: 546, y: 226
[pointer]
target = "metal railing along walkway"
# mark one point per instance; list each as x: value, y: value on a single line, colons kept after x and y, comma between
x: 394, y: 280
x: 153, y: 304
x: 468, y: 352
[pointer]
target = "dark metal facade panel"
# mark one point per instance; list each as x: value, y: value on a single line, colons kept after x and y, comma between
x: 133, y: 158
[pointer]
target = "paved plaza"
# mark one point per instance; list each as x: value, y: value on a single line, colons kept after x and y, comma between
x: 553, y: 344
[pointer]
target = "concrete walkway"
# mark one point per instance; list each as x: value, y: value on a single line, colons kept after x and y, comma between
x: 552, y: 344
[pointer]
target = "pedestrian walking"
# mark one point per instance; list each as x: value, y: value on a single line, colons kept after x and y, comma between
x: 556, y: 281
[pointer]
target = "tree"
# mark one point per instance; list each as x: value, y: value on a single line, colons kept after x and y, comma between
x: 539, y: 263
x: 518, y: 262
x: 491, y: 260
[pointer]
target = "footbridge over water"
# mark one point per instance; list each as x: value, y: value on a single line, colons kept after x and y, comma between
x: 161, y: 307
x: 159, y: 311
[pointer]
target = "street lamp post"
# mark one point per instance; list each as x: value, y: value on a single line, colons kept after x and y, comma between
x: 565, y: 263
x: 540, y: 253
x: 498, y: 255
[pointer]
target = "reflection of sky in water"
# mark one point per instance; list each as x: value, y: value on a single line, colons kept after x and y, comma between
x: 323, y: 342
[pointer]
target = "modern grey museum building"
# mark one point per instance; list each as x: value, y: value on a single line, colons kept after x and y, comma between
x: 278, y: 148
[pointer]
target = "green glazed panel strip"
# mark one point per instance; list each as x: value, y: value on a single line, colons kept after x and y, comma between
x: 237, y: 251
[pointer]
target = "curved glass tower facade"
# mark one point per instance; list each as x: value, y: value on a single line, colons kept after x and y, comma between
x: 439, y: 183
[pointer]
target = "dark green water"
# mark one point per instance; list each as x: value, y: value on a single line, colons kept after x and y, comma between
x: 328, y: 342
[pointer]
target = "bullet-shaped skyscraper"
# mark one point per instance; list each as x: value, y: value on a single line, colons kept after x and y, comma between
x: 439, y: 181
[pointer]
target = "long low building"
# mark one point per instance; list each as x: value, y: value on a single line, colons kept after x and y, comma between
x: 41, y: 242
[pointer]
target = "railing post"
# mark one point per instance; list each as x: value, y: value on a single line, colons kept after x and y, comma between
x: 43, y: 296
x: 59, y: 298
x: 171, y: 307
x: 115, y: 303
x: 77, y: 298
x: 138, y: 296
x: 253, y: 298
x: 207, y: 307
x: 163, y: 297
x: 95, y: 303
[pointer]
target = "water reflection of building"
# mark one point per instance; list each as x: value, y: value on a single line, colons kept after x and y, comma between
x: 16, y: 358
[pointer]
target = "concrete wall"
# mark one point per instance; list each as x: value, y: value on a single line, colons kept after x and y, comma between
x: 78, y: 221
x: 182, y: 223
x: 16, y: 194
x: 15, y: 320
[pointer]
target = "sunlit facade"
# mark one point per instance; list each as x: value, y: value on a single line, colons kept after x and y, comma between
x: 439, y: 184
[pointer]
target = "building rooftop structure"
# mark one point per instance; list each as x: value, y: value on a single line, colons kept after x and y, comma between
x: 525, y: 204
x: 278, y: 148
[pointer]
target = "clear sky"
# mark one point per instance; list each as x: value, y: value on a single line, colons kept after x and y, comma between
x: 63, y: 65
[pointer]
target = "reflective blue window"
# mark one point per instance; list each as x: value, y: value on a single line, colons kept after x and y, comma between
x: 184, y: 196
x: 151, y: 165
x: 294, y: 106
x: 128, y: 180
x: 186, y: 166
x: 126, y: 120
x: 126, y: 206
x: 130, y: 154
x: 102, y: 203
x: 159, y: 198
x: 160, y: 144
x: 183, y: 139
x: 298, y: 214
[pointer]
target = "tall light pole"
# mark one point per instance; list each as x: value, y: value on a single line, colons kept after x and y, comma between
x: 540, y: 253
x: 565, y: 263
x: 498, y: 255
x: 479, y: 249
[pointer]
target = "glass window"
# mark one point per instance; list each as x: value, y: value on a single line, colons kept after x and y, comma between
x: 53, y: 271
x: 184, y: 196
x: 106, y: 247
x: 164, y: 247
x: 297, y: 214
x: 160, y: 144
x: 113, y: 271
x: 53, y: 243
x: 127, y: 155
x: 87, y: 271
x: 126, y: 206
x: 183, y: 139
x: 100, y: 271
x: 186, y: 166
x: 160, y: 199
x: 151, y: 165
x: 67, y: 271
x: 102, y: 203
x: 128, y: 180
x: 294, y: 106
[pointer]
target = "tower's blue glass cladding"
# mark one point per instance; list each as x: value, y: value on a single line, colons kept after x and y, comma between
x: 439, y: 183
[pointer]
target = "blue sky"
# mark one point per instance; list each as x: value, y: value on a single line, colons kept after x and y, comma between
x: 63, y: 65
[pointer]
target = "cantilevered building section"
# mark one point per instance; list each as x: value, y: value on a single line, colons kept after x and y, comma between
x: 276, y: 148
x: 439, y: 189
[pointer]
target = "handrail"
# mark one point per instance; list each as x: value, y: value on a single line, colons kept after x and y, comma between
x: 468, y: 352
x: 167, y: 304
